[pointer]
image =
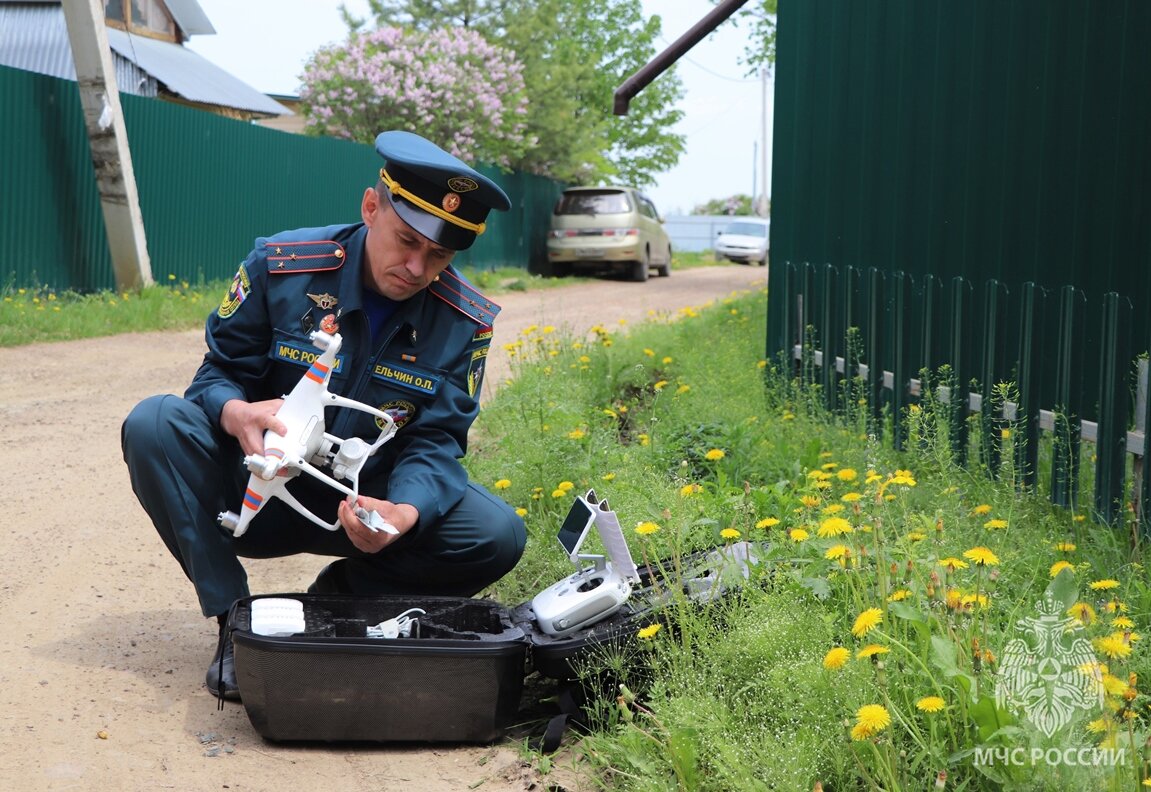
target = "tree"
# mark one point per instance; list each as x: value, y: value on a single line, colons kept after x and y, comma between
x: 740, y: 204
x: 450, y: 85
x: 760, y: 52
x: 575, y: 53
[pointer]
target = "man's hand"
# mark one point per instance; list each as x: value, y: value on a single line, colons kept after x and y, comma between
x: 247, y: 422
x: 403, y: 516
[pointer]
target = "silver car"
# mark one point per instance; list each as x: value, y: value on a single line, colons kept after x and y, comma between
x: 745, y: 241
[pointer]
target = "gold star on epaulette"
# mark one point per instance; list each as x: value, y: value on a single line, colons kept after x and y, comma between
x: 293, y: 256
x: 279, y: 251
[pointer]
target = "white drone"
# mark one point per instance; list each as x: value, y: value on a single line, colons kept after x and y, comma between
x: 305, y: 447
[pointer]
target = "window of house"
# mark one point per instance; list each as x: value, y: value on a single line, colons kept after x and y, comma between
x: 145, y: 17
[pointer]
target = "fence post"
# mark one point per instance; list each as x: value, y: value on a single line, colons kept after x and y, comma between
x: 875, y: 346
x: 1068, y: 396
x: 958, y: 403
x: 830, y: 336
x: 1032, y: 305
x: 990, y: 414
x: 1143, y: 493
x: 899, y: 307
x: 1111, y: 442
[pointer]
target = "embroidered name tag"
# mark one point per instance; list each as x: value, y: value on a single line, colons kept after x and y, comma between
x: 410, y: 378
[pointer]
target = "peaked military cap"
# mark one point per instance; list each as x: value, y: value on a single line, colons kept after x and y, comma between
x: 435, y: 193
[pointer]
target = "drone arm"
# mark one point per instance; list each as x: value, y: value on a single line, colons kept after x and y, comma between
x: 290, y: 499
x: 389, y: 422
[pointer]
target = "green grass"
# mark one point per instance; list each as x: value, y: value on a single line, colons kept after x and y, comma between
x: 684, y: 427
x: 30, y: 315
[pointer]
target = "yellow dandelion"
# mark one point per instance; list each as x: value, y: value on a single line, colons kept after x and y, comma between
x: 1098, y: 726
x: 839, y: 551
x: 646, y: 527
x: 866, y: 622
x: 982, y: 556
x: 829, y: 465
x: 687, y: 490
x: 981, y: 509
x: 521, y: 511
x: 608, y: 477
x: 798, y: 535
x: 730, y: 533
x: 930, y: 704
x: 1122, y: 622
x: 647, y: 633
x: 871, y: 650
x: 1065, y: 547
x: 899, y: 595
x: 915, y: 536
x: 874, y: 717
x: 846, y: 474
x: 850, y: 497
x: 1083, y: 612
x: 767, y: 522
x: 1113, y: 685
x: 649, y: 352
x: 577, y: 434
x: 1059, y: 566
x: 836, y: 658
x: 810, y: 501
x: 682, y: 389
x: 714, y: 455
x: 503, y: 484
x: 952, y: 563
x: 833, y: 508
x: 1114, y: 646
x: 566, y: 486
x: 834, y: 526
x: 559, y: 493
x: 659, y: 385
x: 860, y: 732
x: 1103, y: 585
x: 993, y: 524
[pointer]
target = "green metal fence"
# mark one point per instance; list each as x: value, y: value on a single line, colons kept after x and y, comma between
x: 964, y: 187
x: 208, y: 187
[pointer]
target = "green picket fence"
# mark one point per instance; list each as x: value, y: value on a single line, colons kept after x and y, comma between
x: 1075, y: 370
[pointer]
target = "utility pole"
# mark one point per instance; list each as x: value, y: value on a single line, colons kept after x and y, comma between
x: 762, y: 209
x: 108, y: 140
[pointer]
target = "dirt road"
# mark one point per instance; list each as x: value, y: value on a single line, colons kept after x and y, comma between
x: 102, y: 665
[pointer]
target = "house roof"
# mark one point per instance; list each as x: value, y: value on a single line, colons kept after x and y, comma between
x: 34, y: 37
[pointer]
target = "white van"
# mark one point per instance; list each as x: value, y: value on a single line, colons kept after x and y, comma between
x: 745, y: 240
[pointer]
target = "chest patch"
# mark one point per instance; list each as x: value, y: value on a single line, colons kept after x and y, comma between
x: 408, y: 377
x: 301, y: 355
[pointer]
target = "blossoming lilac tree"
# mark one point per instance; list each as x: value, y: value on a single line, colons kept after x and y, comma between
x: 449, y: 85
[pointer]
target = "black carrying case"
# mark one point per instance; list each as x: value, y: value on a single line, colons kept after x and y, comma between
x: 462, y: 677
x: 458, y: 680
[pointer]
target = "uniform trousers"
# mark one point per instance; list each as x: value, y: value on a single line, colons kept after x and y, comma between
x: 185, y: 471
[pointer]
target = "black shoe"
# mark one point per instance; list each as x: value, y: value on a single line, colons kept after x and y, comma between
x: 221, y: 677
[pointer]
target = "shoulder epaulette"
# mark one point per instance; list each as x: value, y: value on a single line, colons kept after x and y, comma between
x: 311, y: 256
x: 462, y: 296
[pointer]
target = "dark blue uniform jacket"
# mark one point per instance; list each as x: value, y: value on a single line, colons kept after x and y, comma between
x: 425, y: 366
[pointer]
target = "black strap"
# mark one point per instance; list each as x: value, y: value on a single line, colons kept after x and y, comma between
x: 571, y: 713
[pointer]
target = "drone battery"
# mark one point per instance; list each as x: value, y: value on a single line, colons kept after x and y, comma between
x: 457, y: 677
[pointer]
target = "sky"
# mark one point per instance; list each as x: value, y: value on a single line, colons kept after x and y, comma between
x: 267, y: 42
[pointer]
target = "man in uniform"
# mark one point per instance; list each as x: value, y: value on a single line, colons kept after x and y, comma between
x: 415, y: 340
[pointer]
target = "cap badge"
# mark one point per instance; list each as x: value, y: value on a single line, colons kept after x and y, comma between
x: 324, y: 301
x: 451, y: 202
x: 462, y: 184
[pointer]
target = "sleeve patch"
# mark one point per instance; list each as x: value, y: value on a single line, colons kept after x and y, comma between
x: 238, y: 292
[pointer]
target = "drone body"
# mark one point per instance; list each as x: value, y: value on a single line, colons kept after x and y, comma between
x: 306, y: 448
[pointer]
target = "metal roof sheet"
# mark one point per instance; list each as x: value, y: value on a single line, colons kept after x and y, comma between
x: 34, y: 37
x: 190, y: 75
x: 190, y: 17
